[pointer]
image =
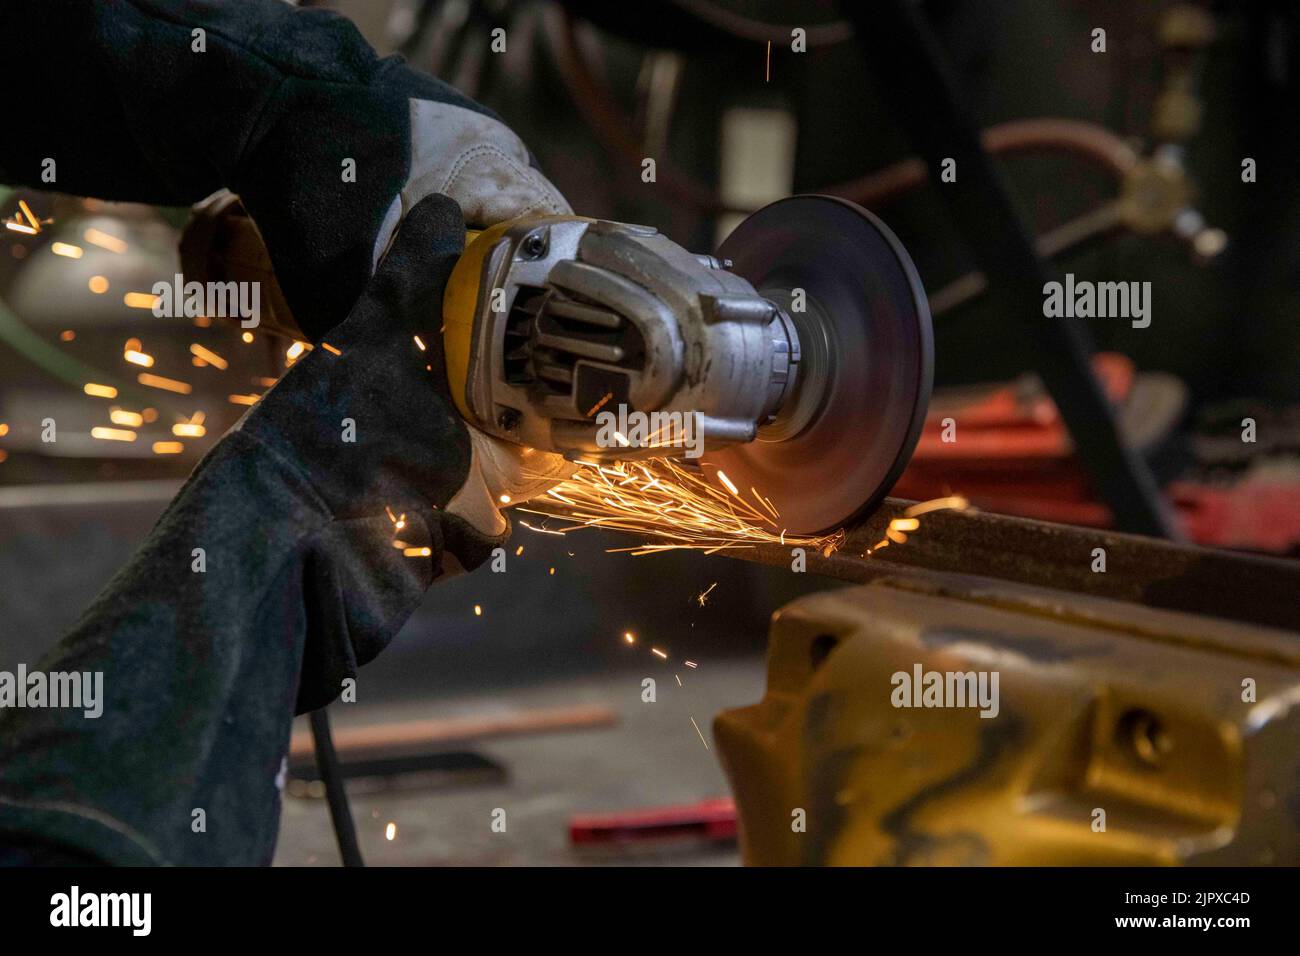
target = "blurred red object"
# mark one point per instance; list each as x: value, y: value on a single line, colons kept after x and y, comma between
x: 1014, y: 456
x: 713, y: 820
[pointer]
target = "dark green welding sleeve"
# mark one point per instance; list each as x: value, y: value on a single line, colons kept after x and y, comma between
x: 271, y: 577
x: 167, y: 101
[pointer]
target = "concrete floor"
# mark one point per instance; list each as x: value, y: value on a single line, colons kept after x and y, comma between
x: 652, y: 757
x: 543, y: 641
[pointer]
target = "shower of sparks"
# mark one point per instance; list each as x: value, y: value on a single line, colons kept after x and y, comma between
x: 120, y: 416
x: 399, y: 523
x: 951, y: 503
x: 597, y: 407
x: 166, y: 384
x: 190, y: 429
x: 208, y: 356
x: 703, y: 596
x: 666, y: 500
x: 24, y: 221
x: 139, y: 300
x: 29, y: 215
x: 539, y: 530
x: 676, y: 505
x: 102, y: 239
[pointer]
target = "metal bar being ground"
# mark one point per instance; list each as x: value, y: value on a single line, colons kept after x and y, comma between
x: 1150, y: 571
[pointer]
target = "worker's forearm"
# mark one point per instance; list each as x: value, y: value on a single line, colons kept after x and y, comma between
x: 246, y: 583
x: 164, y: 102
x: 125, y: 105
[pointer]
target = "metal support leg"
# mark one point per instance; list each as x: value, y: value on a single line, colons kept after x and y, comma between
x: 901, y: 48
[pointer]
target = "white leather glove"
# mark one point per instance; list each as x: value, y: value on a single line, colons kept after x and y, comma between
x: 484, y: 166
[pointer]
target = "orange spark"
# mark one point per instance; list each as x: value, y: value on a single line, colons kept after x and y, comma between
x: 140, y: 300
x: 102, y: 239
x: 209, y: 356
x: 166, y: 384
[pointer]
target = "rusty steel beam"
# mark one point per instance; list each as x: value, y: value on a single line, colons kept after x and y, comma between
x: 1149, y: 571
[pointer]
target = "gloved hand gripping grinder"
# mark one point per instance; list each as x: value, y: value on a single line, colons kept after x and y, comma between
x: 802, y: 349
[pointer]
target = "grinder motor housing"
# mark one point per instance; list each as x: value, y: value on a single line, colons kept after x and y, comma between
x: 552, y: 319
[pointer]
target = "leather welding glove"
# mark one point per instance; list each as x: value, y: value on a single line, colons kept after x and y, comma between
x: 327, y: 145
x: 273, y: 574
x: 367, y: 420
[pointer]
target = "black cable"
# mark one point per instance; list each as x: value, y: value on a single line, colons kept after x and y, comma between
x: 327, y: 764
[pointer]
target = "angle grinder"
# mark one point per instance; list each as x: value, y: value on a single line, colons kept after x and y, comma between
x: 801, y: 351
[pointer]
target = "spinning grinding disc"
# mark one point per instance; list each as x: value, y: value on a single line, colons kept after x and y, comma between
x: 841, y: 439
